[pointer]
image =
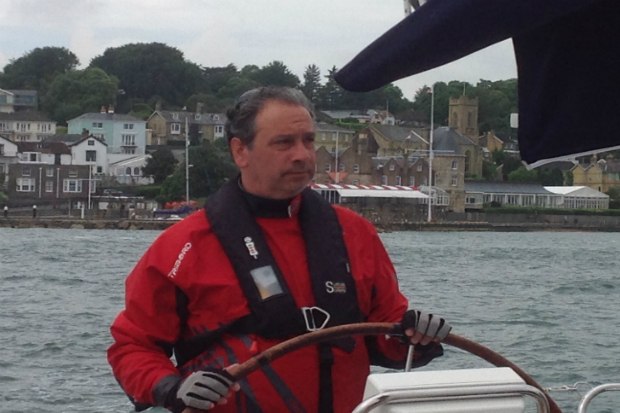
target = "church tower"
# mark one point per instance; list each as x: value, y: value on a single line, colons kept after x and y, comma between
x: 464, y: 116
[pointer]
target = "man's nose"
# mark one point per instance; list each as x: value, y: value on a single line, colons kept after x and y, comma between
x: 301, y: 152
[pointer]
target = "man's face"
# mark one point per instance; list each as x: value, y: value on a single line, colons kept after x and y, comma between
x: 280, y: 162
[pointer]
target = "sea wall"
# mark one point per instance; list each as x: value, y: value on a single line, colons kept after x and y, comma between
x: 77, y: 223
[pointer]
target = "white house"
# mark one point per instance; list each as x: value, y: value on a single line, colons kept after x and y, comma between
x: 26, y: 126
x: 8, y: 155
x: 128, y: 170
x: 85, y: 150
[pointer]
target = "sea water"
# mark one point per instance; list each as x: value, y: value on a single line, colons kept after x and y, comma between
x: 547, y: 301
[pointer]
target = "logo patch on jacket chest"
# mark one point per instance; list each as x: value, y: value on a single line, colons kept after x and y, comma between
x: 335, y: 288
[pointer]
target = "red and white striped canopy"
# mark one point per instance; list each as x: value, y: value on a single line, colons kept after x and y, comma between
x: 379, y: 187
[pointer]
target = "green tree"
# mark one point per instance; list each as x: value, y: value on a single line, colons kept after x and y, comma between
x: 569, y: 178
x: 523, y: 175
x: 312, y: 82
x: 331, y: 95
x: 499, y: 156
x: 214, y: 78
x: 211, y: 167
x: 148, y: 69
x: 38, y: 68
x: 275, y: 74
x: 489, y: 171
x: 510, y: 164
x: 160, y: 165
x: 79, y: 91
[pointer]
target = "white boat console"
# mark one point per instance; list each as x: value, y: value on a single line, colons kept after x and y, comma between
x: 491, y: 390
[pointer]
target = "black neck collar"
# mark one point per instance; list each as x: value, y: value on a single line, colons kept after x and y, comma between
x: 270, y: 208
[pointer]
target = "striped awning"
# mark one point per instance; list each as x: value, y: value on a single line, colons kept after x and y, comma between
x: 372, y: 191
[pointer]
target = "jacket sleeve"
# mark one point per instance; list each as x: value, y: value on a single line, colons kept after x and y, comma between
x: 388, y: 304
x: 144, y: 332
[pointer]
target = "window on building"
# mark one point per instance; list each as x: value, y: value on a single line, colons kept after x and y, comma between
x: 73, y: 173
x: 346, y: 138
x: 97, y: 125
x: 425, y: 181
x: 216, y: 117
x: 100, y: 169
x: 341, y: 167
x: 136, y: 171
x: 412, y: 180
x: 175, y: 128
x: 22, y: 138
x: 384, y: 180
x: 219, y: 131
x: 175, y: 116
x: 91, y: 142
x: 71, y: 185
x: 128, y: 151
x: 49, y: 171
x: 454, y: 165
x: 455, y: 180
x: 328, y: 167
x: 398, y: 180
x: 128, y: 126
x: 128, y: 171
x: 392, y: 167
x: 356, y: 168
x: 128, y: 140
x: 1, y: 169
x: 91, y: 156
x: 26, y: 171
x: 356, y: 182
x: 323, y: 136
x: 99, y: 136
x: 197, y: 116
x: 334, y: 136
x: 49, y: 186
x: 25, y: 185
x: 1, y: 149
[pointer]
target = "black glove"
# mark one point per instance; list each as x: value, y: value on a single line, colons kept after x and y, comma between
x: 202, y: 389
x: 425, y: 323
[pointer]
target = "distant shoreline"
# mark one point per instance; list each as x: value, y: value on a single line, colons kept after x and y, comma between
x: 162, y: 224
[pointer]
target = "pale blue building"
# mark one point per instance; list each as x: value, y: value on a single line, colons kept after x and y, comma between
x: 124, y: 134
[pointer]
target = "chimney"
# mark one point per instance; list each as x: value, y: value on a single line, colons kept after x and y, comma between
x: 158, y: 106
x: 85, y: 133
x: 103, y: 110
x: 200, y: 108
x: 111, y: 109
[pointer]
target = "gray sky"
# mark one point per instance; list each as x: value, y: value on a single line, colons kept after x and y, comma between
x: 219, y: 32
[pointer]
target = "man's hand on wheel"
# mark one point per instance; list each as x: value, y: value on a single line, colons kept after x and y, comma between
x: 202, y: 390
x: 423, y: 328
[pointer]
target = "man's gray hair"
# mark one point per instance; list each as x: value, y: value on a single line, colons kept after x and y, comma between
x: 241, y: 122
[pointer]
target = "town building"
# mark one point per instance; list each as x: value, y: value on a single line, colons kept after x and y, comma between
x: 8, y: 155
x: 18, y: 100
x: 332, y: 136
x: 383, y: 117
x: 463, y: 116
x: 123, y: 134
x: 523, y: 194
x: 86, y: 149
x: 128, y: 170
x: 44, y: 174
x: 169, y: 125
x: 28, y: 126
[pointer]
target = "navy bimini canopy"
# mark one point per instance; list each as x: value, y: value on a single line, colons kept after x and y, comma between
x: 568, y: 60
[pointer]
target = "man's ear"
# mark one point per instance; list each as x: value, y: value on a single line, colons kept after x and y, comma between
x: 239, y: 151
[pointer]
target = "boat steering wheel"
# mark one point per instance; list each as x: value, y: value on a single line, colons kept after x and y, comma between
x: 372, y: 329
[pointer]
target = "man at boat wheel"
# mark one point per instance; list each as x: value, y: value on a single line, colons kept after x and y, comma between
x: 266, y: 260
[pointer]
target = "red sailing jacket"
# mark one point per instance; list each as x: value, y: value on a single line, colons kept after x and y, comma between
x: 188, y: 258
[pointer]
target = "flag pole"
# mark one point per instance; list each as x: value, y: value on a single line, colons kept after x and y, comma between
x: 186, y: 161
x: 430, y: 154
